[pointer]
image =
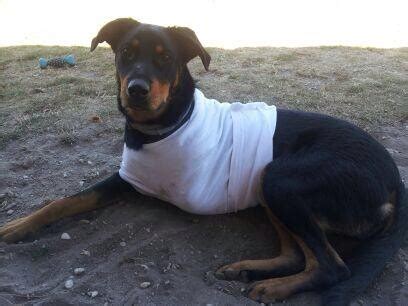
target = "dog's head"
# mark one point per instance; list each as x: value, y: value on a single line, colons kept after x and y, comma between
x: 149, y: 60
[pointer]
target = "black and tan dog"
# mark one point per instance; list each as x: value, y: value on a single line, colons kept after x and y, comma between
x: 327, y: 175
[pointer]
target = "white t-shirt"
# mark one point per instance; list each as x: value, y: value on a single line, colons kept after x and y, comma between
x: 212, y: 164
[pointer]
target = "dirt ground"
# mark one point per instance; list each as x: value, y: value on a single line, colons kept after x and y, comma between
x: 141, y: 239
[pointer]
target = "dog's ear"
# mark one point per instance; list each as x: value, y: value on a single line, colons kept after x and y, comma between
x: 113, y: 31
x: 189, y: 45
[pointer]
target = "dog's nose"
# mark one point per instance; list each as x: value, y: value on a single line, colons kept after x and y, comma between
x: 138, y: 89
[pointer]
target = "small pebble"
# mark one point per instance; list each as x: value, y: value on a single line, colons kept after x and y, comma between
x: 392, y: 151
x: 85, y: 252
x: 89, y: 162
x: 167, y: 282
x: 65, y: 236
x: 95, y: 119
x: 65, y: 174
x: 79, y: 271
x: 10, y: 211
x: 145, y: 285
x: 81, y: 183
x: 144, y: 267
x: 122, y: 244
x: 93, y: 294
x: 25, y: 177
x: 69, y: 284
x: 84, y: 221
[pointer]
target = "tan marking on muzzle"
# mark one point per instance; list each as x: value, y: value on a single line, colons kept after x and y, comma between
x: 159, y: 49
x: 123, y: 93
x: 159, y: 92
x: 176, y: 80
x: 135, y: 43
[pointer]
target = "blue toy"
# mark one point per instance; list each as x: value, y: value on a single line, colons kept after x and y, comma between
x: 58, y: 62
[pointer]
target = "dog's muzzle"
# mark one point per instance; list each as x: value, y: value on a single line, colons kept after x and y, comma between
x: 138, y: 91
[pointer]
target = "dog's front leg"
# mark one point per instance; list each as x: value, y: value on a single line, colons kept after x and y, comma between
x: 96, y: 196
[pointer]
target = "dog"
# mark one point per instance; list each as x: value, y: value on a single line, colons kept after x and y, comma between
x: 312, y: 173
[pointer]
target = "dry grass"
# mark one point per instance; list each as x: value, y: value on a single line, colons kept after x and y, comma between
x: 367, y: 86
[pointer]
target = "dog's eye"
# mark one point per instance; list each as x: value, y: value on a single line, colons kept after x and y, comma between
x: 166, y: 57
x: 128, y: 55
x: 163, y: 59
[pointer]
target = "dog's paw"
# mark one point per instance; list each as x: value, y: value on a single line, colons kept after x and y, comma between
x: 233, y: 271
x: 16, y: 230
x: 268, y: 291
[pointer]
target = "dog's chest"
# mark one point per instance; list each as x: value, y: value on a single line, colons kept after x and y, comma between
x: 211, y: 165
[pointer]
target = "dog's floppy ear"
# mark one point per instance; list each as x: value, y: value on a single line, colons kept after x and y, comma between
x: 189, y: 45
x: 113, y: 31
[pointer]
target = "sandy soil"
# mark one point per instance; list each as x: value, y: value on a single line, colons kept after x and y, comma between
x: 176, y: 252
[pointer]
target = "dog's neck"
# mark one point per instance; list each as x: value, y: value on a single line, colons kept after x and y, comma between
x: 159, y: 129
x: 179, y: 111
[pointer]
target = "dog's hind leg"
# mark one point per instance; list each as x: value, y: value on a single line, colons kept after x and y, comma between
x: 321, y: 271
x: 290, y: 260
x: 96, y: 196
x: 290, y: 197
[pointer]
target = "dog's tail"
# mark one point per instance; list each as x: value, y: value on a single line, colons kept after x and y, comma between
x: 370, y: 258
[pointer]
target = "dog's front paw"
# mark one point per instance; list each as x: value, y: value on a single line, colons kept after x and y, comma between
x: 268, y: 291
x: 235, y: 271
x: 16, y: 230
